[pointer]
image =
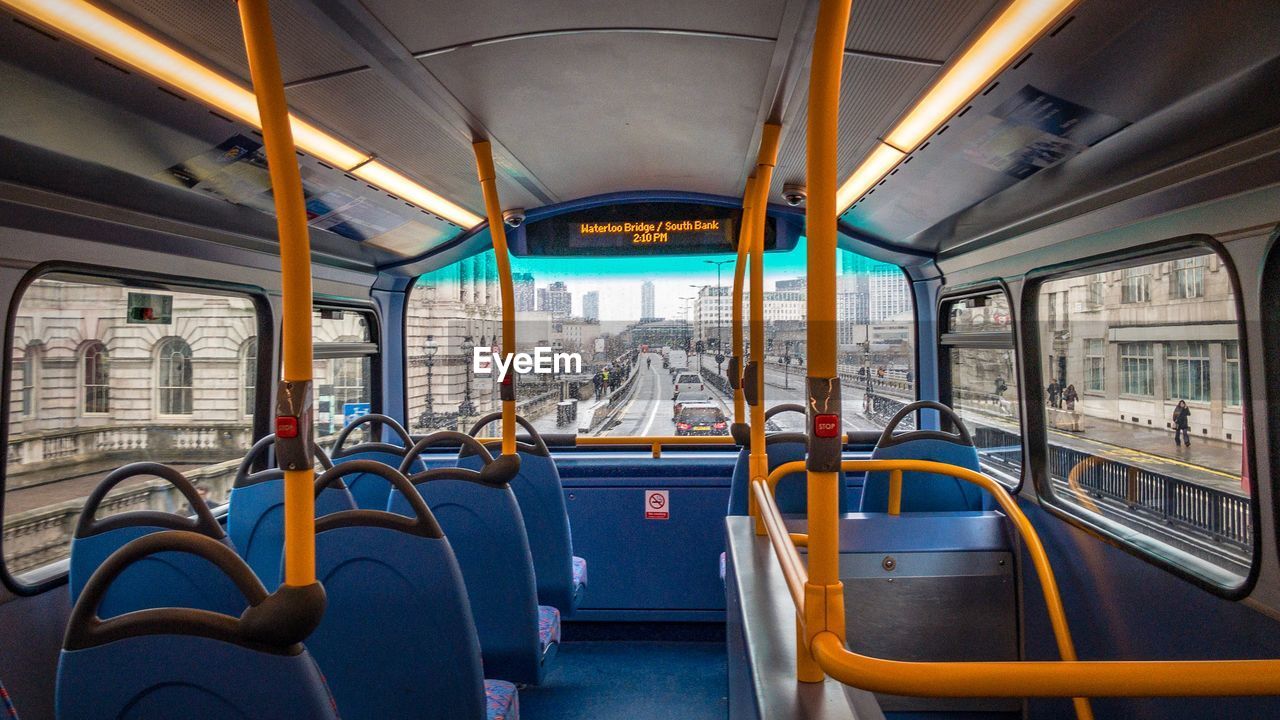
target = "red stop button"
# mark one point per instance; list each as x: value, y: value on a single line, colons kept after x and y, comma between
x: 826, y: 426
x: 286, y: 427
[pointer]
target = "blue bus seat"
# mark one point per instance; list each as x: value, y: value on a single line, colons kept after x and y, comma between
x: 481, y: 517
x: 926, y: 492
x: 561, y: 576
x: 177, y: 663
x: 255, y: 516
x: 162, y: 580
x: 369, y: 490
x: 791, y: 493
x: 397, y: 639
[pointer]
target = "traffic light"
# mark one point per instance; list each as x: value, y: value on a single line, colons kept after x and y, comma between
x: 698, y: 347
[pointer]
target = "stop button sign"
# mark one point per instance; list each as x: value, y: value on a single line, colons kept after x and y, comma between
x: 826, y: 426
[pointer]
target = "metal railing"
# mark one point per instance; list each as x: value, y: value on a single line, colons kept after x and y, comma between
x: 1139, y: 493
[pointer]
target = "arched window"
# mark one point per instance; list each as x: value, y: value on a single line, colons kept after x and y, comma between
x: 173, y: 376
x: 249, y: 374
x: 97, y: 379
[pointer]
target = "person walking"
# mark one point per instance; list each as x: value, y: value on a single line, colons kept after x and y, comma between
x: 1070, y: 398
x: 1054, y: 390
x: 1182, y: 424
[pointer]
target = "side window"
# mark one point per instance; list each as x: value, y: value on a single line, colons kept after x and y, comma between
x: 981, y: 378
x: 346, y: 352
x: 1152, y: 452
x: 103, y: 375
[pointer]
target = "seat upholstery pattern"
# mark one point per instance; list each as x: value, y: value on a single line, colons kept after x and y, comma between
x: 548, y: 627
x: 502, y: 701
x: 579, y: 573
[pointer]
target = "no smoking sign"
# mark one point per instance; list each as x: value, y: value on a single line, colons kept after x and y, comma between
x: 657, y: 505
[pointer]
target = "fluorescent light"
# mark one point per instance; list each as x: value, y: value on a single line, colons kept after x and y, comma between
x: 121, y: 41
x: 393, y: 182
x: 875, y: 166
x: 1000, y: 44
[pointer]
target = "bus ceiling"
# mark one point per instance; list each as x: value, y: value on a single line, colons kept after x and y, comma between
x: 386, y: 104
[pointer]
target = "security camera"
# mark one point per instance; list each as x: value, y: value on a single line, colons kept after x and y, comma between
x: 514, y: 218
x: 794, y: 194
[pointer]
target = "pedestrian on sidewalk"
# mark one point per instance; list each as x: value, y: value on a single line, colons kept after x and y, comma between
x: 1182, y: 424
x: 1054, y: 390
x: 1070, y: 397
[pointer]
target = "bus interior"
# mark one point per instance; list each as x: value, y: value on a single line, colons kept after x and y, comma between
x: 750, y: 359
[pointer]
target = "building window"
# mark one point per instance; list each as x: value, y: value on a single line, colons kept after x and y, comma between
x: 1186, y: 371
x: 1188, y: 277
x: 1097, y: 290
x: 1095, y: 365
x: 249, y: 374
x: 1136, y: 287
x: 1231, y: 354
x: 174, y: 376
x: 27, y: 383
x: 97, y: 380
x: 1137, y: 369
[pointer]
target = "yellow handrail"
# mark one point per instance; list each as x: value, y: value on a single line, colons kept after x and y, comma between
x: 766, y: 158
x: 793, y: 568
x: 295, y: 274
x: 739, y: 273
x: 498, y: 232
x: 1068, y: 677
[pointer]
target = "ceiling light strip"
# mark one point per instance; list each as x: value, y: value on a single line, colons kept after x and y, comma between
x: 1012, y: 32
x: 121, y: 41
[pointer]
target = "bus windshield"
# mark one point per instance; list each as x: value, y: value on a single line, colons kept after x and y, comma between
x: 606, y: 345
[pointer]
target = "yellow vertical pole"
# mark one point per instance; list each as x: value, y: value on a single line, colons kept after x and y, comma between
x: 739, y: 276
x: 766, y: 158
x: 824, y: 600
x: 895, y: 492
x: 498, y: 230
x: 295, y: 271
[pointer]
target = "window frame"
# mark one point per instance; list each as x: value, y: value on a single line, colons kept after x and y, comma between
x: 372, y: 349
x: 50, y: 576
x: 1037, y: 428
x: 982, y: 340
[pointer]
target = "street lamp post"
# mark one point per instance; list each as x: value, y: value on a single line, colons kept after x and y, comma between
x: 786, y: 365
x: 429, y: 350
x: 719, y: 300
x: 466, y: 408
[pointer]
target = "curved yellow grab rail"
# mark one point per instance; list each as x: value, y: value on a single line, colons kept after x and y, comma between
x: 793, y: 568
x: 502, y: 259
x: 1061, y: 678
